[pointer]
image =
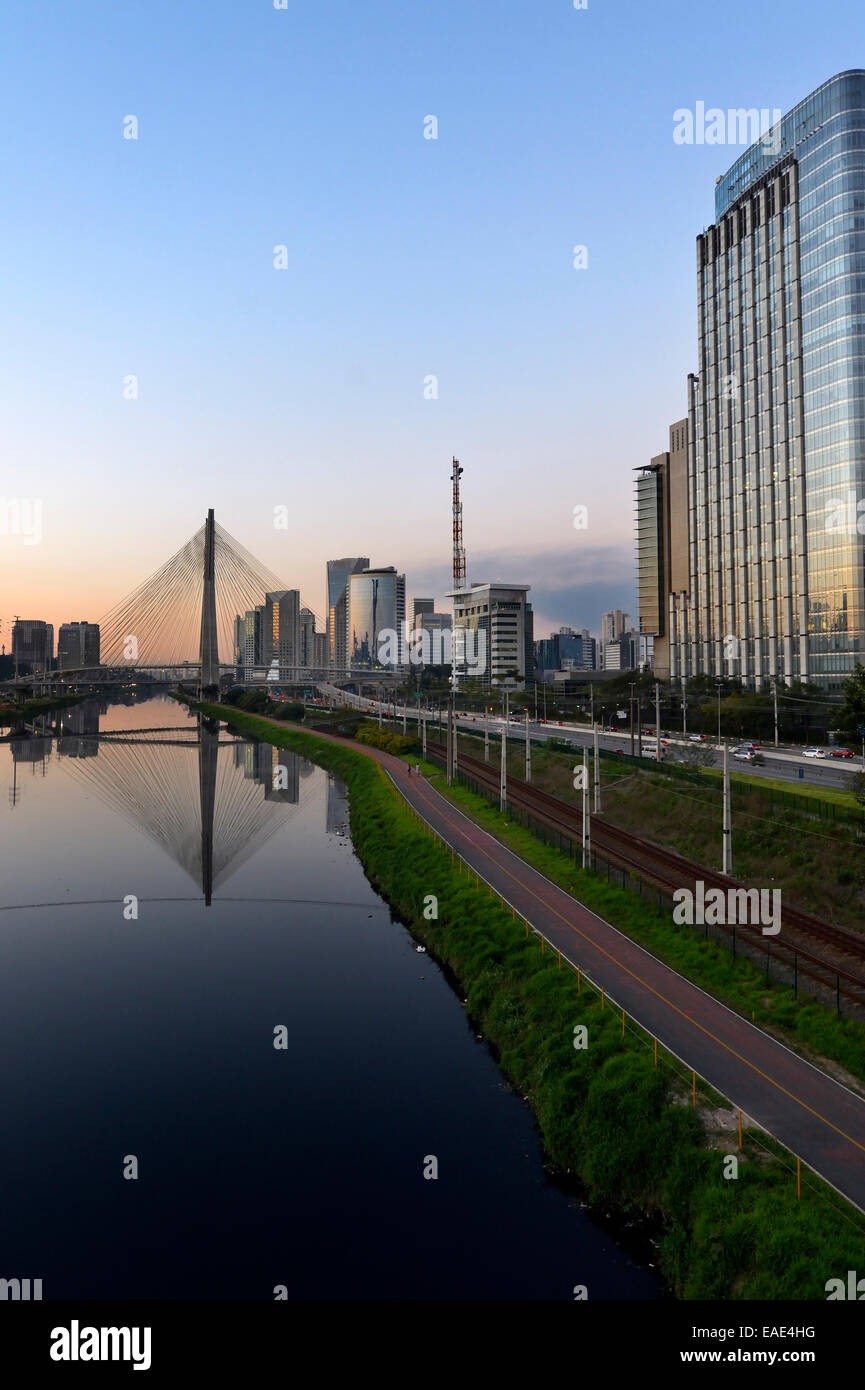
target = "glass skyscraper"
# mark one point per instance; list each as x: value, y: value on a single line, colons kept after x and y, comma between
x: 776, y: 411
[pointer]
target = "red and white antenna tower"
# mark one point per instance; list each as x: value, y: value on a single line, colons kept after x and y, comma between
x: 459, y: 552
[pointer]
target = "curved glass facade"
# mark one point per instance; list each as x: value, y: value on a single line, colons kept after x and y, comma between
x: 376, y: 609
x: 777, y: 411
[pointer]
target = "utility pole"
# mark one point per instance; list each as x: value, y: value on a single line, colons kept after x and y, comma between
x: 657, y: 722
x: 528, y: 750
x: 448, y: 754
x: 486, y: 740
x: 15, y: 647
x: 719, y: 683
x: 639, y: 726
x: 503, y: 780
x: 775, y: 697
x: 631, y: 717
x: 726, y: 857
x: 684, y: 708
x: 454, y: 736
x: 597, y: 773
x: 586, y: 833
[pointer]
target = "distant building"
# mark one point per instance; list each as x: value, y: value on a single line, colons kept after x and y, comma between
x: 32, y: 645
x: 280, y: 638
x: 420, y: 608
x: 499, y: 638
x: 77, y: 645
x: 662, y: 542
x: 566, y: 650
x: 433, y: 646
x: 614, y: 625
x: 338, y: 575
x: 375, y: 619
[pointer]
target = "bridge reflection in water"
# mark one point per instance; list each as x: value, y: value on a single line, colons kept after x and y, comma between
x: 210, y: 803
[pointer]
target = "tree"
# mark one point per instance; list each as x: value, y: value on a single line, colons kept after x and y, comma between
x: 852, y: 715
x: 857, y: 787
x: 697, y: 755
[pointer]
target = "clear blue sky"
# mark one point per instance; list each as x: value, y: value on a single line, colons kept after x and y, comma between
x: 407, y: 257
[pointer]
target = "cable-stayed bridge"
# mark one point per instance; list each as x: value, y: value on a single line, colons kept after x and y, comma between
x: 179, y: 625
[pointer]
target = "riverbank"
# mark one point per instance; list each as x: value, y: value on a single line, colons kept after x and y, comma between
x: 31, y: 709
x: 605, y: 1114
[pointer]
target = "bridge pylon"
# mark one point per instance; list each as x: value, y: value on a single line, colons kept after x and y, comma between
x: 209, y: 646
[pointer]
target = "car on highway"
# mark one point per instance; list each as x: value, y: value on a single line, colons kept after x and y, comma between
x: 696, y: 738
x: 745, y: 753
x: 838, y: 753
x: 813, y: 753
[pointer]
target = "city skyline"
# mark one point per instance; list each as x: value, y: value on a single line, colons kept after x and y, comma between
x: 258, y: 387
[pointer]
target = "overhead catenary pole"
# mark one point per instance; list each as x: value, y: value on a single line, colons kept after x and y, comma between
x: 775, y: 698
x: 684, y: 708
x: 726, y: 847
x: 585, y: 803
x: 657, y: 721
x: 454, y: 739
x: 503, y: 778
x: 528, y: 751
x: 597, y: 767
x: 486, y: 740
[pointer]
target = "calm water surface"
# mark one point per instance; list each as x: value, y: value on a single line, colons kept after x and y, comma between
x: 152, y: 1037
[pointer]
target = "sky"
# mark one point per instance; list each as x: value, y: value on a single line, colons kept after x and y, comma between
x: 155, y: 361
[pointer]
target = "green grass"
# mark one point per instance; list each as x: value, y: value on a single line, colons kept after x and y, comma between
x: 797, y: 788
x: 605, y: 1114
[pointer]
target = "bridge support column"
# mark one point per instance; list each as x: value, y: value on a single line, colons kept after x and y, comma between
x: 209, y: 646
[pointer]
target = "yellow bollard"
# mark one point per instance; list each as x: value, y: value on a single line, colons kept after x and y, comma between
x: 560, y: 958
x: 513, y: 912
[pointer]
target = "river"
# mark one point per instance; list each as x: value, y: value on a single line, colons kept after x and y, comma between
x: 156, y: 1143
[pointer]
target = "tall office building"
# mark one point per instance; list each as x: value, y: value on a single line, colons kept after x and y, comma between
x: 499, y: 628
x: 614, y: 625
x: 32, y: 645
x: 662, y: 542
x: 77, y: 645
x: 280, y: 637
x: 375, y: 610
x: 776, y: 413
x: 338, y: 574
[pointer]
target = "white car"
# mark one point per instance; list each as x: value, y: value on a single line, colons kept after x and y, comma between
x: 696, y: 738
x: 813, y: 753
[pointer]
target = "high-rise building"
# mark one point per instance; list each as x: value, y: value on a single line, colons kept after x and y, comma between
x: 498, y: 625
x: 32, y: 645
x: 375, y: 626
x: 307, y: 637
x: 280, y: 637
x: 662, y: 541
x: 338, y: 574
x: 776, y: 413
x: 613, y: 625
x: 77, y: 645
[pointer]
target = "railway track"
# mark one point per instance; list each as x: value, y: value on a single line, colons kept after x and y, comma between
x: 832, y: 956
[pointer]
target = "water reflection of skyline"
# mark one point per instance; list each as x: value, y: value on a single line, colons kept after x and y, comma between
x: 211, y: 803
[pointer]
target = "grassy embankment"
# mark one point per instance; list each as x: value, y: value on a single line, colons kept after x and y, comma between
x: 818, y: 864
x: 16, y: 714
x: 605, y: 1114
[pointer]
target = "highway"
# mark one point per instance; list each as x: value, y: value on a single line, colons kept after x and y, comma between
x: 780, y: 764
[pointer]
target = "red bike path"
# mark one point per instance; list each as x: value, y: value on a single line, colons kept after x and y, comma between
x: 815, y: 1117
